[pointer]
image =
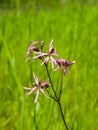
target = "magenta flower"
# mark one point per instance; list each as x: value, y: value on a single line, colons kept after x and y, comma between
x: 47, y: 56
x: 38, y: 86
x: 31, y: 48
x: 63, y: 64
x: 40, y: 55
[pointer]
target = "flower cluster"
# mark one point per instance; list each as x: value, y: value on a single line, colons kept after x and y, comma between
x: 50, y: 56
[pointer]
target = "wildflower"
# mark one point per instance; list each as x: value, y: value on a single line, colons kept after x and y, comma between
x: 48, y: 56
x: 31, y: 48
x: 38, y: 86
x: 62, y: 63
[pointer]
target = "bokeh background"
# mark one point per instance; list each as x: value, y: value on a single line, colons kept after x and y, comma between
x: 73, y: 24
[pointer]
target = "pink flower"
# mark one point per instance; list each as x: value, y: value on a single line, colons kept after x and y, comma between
x: 47, y: 56
x: 38, y: 86
x: 62, y: 63
x: 31, y: 48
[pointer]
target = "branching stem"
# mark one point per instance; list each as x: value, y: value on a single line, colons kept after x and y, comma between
x: 61, y: 86
x: 56, y: 98
x: 50, y: 81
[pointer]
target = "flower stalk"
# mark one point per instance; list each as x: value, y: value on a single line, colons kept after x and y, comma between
x: 61, y: 85
x: 50, y: 80
x: 51, y: 56
x: 57, y: 97
x: 61, y: 111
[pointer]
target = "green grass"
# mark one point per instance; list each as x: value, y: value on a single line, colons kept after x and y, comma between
x: 74, y: 29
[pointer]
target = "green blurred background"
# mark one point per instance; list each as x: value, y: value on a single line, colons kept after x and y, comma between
x: 73, y: 24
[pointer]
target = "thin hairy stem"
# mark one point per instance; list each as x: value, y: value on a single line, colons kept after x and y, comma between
x: 50, y: 95
x: 63, y: 116
x: 61, y: 85
x: 50, y: 80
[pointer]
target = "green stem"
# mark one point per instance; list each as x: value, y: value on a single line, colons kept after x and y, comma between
x: 61, y: 86
x: 50, y: 95
x: 57, y: 98
x: 50, y: 81
x: 63, y: 116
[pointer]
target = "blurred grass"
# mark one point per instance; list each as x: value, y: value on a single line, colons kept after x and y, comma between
x: 74, y: 28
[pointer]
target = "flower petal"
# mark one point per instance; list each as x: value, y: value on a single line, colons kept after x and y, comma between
x: 26, y: 88
x: 36, y: 79
x: 45, y: 60
x: 32, y: 90
x: 43, y: 92
x: 36, y: 98
x: 52, y: 61
x: 44, y: 84
x: 51, y: 45
x: 34, y: 42
x: 39, y: 55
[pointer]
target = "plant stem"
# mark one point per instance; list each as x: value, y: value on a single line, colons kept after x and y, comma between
x: 50, y: 81
x: 61, y: 86
x: 57, y: 98
x: 50, y: 95
x: 63, y: 116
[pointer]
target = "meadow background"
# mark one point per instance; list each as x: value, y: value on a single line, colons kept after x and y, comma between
x: 73, y: 24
